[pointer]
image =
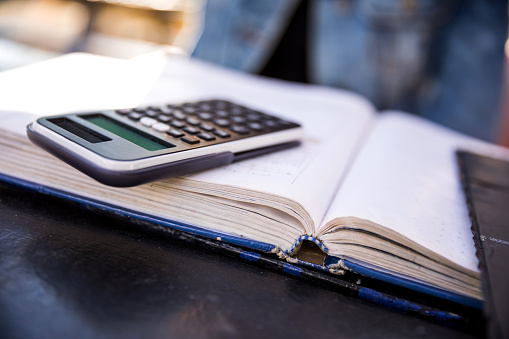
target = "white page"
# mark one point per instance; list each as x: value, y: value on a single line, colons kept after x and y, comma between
x: 334, y: 123
x: 407, y: 179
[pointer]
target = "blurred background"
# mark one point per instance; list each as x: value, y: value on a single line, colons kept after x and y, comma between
x: 34, y: 30
x: 442, y: 60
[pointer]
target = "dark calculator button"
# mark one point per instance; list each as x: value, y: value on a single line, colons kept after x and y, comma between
x: 205, y: 107
x: 237, y: 110
x: 175, y: 133
x: 193, y: 121
x: 222, y: 113
x: 151, y: 114
x: 166, y: 110
x: 253, y: 116
x: 191, y: 130
x: 271, y: 123
x: 207, y: 127
x: 221, y: 133
x: 256, y: 126
x: 240, y: 129
x: 138, y: 110
x: 206, y: 136
x: 154, y: 108
x: 163, y: 118
x: 179, y: 115
x: 123, y: 111
x: 191, y: 139
x: 189, y: 109
x: 205, y: 115
x: 222, y: 122
x: 239, y: 119
x: 135, y: 116
x: 220, y: 104
x: 177, y: 123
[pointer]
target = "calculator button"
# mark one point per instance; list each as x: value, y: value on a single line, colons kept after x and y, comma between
x: 239, y: 119
x: 206, y: 136
x: 221, y: 133
x: 151, y: 114
x: 193, y: 121
x: 207, y: 127
x: 179, y: 115
x: 222, y: 122
x: 189, y: 109
x: 240, y: 129
x: 163, y: 118
x: 253, y: 117
x: 222, y: 113
x: 134, y: 116
x: 160, y: 127
x: 190, y: 139
x: 271, y: 123
x: 146, y: 121
x: 191, y: 130
x: 236, y: 110
x: 205, y: 115
x: 255, y: 126
x: 175, y: 133
x: 166, y: 110
x: 123, y: 111
x: 177, y: 123
x: 205, y: 107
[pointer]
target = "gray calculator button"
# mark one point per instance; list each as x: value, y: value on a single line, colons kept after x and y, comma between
x: 240, y: 129
x: 191, y: 130
x: 206, y: 136
x: 207, y: 127
x: 177, y: 123
x: 190, y: 139
x: 222, y: 122
x: 221, y: 133
x: 134, y: 116
x: 123, y: 111
x: 193, y: 121
x: 205, y: 115
x: 175, y: 133
x: 179, y: 115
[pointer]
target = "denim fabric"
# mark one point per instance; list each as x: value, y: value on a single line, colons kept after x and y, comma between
x: 440, y: 59
x: 241, y: 34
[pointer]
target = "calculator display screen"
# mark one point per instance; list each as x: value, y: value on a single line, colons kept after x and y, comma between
x: 126, y: 132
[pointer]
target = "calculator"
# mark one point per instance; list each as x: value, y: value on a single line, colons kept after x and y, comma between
x: 129, y: 147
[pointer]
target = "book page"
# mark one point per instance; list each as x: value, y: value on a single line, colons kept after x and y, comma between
x: 407, y: 179
x: 334, y: 121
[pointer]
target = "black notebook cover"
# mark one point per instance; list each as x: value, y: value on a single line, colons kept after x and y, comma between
x: 486, y: 184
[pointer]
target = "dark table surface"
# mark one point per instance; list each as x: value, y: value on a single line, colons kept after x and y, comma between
x: 71, y: 273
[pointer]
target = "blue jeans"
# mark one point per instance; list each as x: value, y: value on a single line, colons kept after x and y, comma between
x: 439, y: 59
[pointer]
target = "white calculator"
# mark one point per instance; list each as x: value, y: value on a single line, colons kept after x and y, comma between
x: 129, y: 147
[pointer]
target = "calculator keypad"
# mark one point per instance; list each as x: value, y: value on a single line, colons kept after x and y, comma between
x: 206, y: 122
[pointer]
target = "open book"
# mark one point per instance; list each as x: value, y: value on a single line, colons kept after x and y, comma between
x: 375, y: 193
